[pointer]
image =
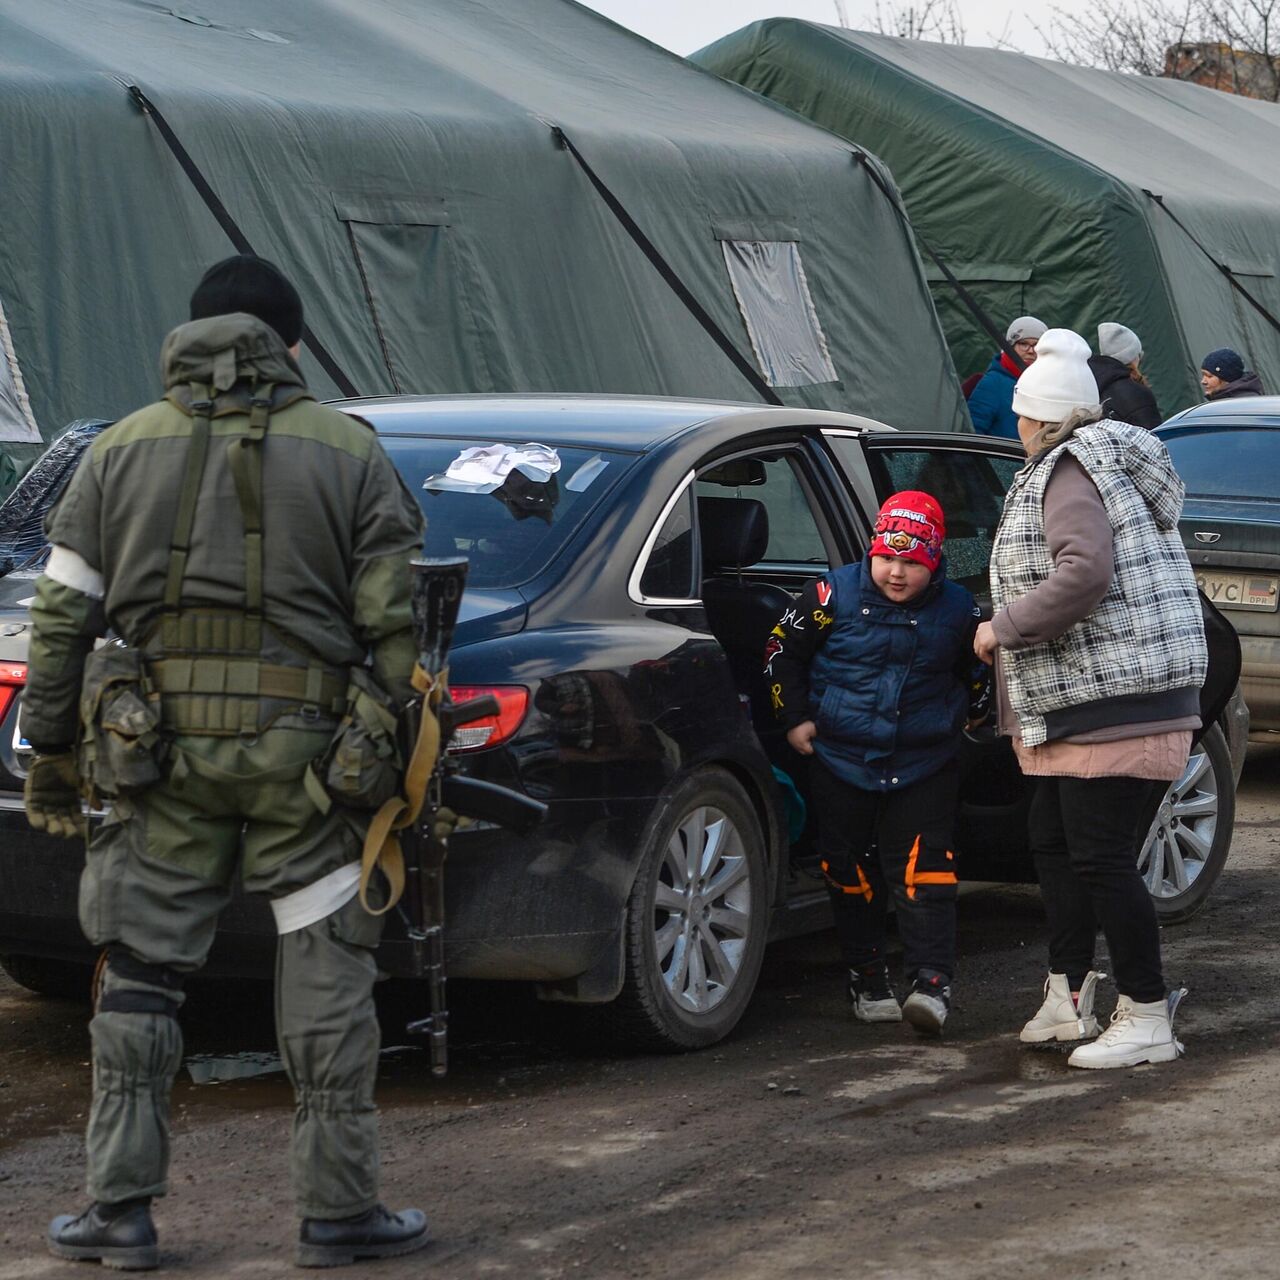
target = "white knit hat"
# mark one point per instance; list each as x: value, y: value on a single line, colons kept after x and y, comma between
x: 1025, y: 327
x: 1119, y: 343
x: 1059, y: 382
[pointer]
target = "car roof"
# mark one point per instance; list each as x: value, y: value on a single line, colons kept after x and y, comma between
x: 1251, y: 411
x: 628, y: 423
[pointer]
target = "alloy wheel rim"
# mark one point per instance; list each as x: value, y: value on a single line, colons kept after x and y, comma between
x: 702, y: 910
x: 1178, y: 845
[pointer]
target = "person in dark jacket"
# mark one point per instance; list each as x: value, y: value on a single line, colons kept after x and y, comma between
x: 1122, y: 390
x: 873, y: 675
x: 991, y: 401
x: 1223, y: 376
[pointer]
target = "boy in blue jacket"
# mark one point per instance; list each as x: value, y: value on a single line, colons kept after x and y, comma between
x: 873, y: 675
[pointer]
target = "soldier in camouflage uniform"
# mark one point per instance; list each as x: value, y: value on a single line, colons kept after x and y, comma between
x: 251, y: 547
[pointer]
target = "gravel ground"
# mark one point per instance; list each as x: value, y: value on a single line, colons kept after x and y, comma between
x: 806, y: 1145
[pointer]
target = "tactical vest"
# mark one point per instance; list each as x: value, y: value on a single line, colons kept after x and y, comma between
x: 228, y: 672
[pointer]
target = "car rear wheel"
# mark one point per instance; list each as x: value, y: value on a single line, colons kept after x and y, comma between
x: 49, y: 977
x: 696, y: 919
x: 1188, y: 843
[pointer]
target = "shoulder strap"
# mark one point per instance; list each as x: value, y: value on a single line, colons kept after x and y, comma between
x: 180, y: 541
x: 244, y: 455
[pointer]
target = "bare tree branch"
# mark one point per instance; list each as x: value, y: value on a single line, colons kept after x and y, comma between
x: 1233, y: 45
x: 920, y: 20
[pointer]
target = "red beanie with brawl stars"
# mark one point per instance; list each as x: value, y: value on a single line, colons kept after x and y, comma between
x: 910, y: 525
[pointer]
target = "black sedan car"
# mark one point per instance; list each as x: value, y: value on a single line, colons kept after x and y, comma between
x: 1228, y: 454
x: 621, y: 587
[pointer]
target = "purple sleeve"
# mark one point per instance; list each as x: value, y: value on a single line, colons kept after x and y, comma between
x: 1079, y: 536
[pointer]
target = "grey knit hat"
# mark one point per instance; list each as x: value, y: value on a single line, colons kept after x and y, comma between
x: 1118, y: 342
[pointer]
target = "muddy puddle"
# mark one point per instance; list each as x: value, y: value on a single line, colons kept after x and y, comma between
x: 498, y: 1051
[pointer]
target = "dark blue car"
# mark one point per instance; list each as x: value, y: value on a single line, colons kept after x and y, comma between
x: 1228, y: 454
x: 618, y: 610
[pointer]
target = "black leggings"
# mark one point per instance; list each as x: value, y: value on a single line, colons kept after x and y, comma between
x: 910, y: 832
x: 1085, y: 836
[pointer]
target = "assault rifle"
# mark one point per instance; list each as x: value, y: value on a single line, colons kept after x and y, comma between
x: 436, y: 595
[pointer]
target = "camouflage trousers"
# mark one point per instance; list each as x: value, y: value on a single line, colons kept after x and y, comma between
x: 160, y: 869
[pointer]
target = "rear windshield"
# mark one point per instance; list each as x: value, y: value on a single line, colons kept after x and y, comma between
x: 511, y: 533
x: 1228, y: 462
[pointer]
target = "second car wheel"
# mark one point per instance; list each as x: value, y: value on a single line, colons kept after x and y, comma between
x: 696, y: 919
x: 1188, y: 844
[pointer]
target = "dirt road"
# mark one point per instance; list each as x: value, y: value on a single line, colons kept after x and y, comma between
x: 805, y: 1146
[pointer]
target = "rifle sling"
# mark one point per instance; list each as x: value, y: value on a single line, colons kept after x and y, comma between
x: 382, y: 842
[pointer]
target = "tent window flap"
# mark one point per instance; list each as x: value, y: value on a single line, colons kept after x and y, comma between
x: 773, y: 295
x: 16, y: 420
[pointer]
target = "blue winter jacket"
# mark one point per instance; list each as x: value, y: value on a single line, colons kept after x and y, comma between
x: 991, y: 402
x: 888, y: 689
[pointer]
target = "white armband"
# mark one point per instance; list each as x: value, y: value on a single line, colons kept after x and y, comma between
x: 74, y: 571
x: 317, y: 900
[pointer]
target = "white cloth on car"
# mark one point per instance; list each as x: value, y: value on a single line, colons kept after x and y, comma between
x: 484, y: 468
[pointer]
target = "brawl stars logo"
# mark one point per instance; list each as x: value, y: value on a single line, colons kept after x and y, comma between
x: 900, y: 531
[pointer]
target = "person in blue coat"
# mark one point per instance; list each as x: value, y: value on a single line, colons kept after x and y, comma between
x: 873, y: 675
x: 991, y: 401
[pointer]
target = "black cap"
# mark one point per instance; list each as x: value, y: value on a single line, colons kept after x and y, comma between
x: 252, y: 284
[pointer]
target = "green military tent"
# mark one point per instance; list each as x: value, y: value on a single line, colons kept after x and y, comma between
x: 400, y: 160
x: 1030, y: 179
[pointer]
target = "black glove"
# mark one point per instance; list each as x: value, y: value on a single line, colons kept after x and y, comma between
x: 52, y: 795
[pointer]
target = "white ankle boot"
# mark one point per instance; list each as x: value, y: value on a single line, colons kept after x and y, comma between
x: 1138, y: 1033
x: 1061, y: 1017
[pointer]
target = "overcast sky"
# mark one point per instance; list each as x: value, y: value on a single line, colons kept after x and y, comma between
x: 686, y: 25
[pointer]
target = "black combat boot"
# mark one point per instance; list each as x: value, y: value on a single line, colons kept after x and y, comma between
x: 334, y: 1242
x: 117, y: 1235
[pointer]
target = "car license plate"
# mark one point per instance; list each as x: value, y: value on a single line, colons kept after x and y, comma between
x: 1240, y: 590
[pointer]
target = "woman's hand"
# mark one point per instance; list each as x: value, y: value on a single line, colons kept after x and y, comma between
x: 985, y: 642
x: 801, y: 737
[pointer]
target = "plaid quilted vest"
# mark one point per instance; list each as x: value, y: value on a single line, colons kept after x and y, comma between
x: 1146, y: 637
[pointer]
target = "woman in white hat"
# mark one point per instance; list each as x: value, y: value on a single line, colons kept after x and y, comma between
x: 1123, y: 391
x: 1100, y: 656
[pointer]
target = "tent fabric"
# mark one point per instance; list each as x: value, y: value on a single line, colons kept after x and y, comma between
x: 1028, y: 178
x: 397, y: 159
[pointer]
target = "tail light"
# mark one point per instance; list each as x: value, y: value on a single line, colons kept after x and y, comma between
x: 489, y: 731
x: 13, y: 675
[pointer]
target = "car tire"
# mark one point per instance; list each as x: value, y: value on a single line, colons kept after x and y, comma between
x: 1187, y: 846
x: 45, y: 977
x: 696, y: 920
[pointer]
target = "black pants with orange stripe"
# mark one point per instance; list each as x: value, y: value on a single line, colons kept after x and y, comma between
x: 875, y: 844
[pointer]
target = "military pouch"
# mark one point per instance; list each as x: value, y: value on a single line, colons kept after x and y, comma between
x: 361, y: 766
x: 120, y: 745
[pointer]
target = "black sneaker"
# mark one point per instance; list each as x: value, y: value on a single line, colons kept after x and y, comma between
x: 121, y: 1236
x: 871, y: 995
x: 325, y: 1242
x: 927, y: 1006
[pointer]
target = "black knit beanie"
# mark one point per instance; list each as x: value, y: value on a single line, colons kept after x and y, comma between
x: 251, y: 284
x: 1225, y: 364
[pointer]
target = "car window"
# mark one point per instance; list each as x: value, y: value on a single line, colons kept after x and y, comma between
x: 1228, y: 462
x: 668, y: 573
x: 794, y: 537
x: 510, y: 533
x: 970, y: 487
